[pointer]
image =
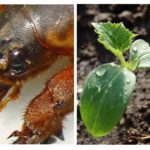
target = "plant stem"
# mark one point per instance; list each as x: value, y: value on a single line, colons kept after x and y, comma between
x: 121, y: 58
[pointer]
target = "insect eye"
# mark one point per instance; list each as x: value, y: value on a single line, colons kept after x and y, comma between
x: 17, y: 61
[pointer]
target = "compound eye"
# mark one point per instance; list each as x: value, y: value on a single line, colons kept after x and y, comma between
x: 17, y: 61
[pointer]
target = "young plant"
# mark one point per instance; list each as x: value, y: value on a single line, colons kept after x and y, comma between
x: 108, y: 88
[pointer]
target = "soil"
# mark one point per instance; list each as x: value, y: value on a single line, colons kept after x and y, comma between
x: 134, y: 128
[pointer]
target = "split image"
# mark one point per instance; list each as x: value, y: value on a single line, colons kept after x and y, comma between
x: 40, y: 101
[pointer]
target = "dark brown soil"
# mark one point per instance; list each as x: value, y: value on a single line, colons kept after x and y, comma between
x: 134, y: 128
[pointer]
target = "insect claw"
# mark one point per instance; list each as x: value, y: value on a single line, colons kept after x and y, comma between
x: 10, y: 136
x: 15, y: 133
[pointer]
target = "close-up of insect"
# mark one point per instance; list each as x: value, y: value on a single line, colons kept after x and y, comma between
x: 34, y: 39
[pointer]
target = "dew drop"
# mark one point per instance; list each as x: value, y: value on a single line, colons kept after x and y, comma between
x: 128, y: 81
x: 135, y: 49
x: 110, y: 85
x: 99, y: 89
x: 106, y: 92
x: 126, y: 93
x: 100, y: 72
x: 112, y: 64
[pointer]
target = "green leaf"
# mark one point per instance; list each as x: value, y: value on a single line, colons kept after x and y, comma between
x: 105, y: 97
x: 114, y: 36
x: 140, y: 50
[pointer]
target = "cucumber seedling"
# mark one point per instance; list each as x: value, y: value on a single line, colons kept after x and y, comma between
x: 108, y: 88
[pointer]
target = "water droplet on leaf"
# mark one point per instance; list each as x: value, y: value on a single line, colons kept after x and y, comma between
x: 128, y: 81
x: 135, y: 49
x: 100, y: 72
x: 110, y: 85
x: 112, y: 64
x: 99, y: 89
x: 126, y: 93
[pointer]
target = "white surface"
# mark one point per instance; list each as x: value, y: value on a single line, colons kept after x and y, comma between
x: 11, y: 118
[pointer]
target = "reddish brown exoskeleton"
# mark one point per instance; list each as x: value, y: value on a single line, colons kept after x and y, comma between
x: 32, y: 38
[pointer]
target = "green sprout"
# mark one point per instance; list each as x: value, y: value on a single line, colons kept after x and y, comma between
x: 108, y: 88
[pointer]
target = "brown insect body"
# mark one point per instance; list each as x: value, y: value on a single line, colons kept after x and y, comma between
x: 45, y: 112
x: 32, y: 38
